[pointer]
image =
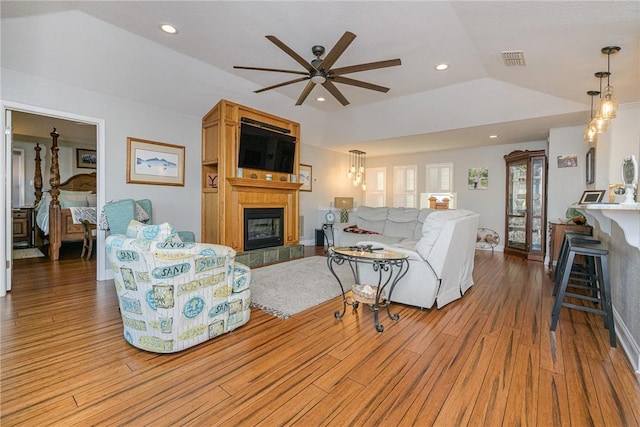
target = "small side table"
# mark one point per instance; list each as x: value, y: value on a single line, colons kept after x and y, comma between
x: 391, y: 267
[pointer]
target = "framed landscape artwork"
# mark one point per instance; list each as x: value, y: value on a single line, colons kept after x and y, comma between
x: 478, y: 178
x: 86, y: 158
x: 150, y: 162
x: 306, y: 177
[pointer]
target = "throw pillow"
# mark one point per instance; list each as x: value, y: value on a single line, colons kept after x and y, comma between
x: 355, y: 229
x: 156, y: 232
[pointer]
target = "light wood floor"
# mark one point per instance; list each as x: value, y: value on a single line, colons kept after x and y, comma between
x: 485, y: 360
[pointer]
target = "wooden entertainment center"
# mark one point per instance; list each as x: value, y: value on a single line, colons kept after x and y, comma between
x: 226, y: 192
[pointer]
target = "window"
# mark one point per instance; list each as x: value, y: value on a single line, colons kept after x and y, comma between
x: 439, y: 178
x: 375, y: 195
x: 439, y: 184
x: 404, y: 186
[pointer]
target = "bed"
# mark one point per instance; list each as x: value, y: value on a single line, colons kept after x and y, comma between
x: 54, y: 218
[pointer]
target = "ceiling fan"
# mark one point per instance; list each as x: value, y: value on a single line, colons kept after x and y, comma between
x: 319, y: 70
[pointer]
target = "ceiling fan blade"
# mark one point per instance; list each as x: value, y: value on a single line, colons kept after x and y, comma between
x: 337, y: 50
x: 366, y: 67
x: 365, y: 85
x: 277, y: 70
x: 300, y: 60
x: 307, y: 90
x: 282, y: 84
x: 333, y: 90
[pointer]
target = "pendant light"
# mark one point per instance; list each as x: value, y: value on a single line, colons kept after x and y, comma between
x: 600, y: 124
x: 590, y: 132
x: 356, y: 168
x: 608, y: 107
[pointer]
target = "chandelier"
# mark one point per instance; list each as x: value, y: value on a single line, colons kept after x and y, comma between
x: 356, y: 168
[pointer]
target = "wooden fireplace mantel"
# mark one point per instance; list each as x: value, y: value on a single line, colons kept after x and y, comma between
x: 254, y: 183
x: 225, y: 195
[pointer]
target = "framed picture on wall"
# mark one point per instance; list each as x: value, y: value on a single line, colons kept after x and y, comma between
x: 86, y: 158
x: 306, y: 177
x: 591, y: 166
x: 150, y: 162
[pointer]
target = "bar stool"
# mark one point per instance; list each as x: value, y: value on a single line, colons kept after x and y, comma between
x: 597, y: 271
x: 563, y: 252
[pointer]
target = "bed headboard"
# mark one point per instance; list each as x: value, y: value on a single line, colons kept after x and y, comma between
x: 80, y: 182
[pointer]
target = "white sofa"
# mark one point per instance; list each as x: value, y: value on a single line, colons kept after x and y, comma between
x: 392, y: 226
x: 441, y: 254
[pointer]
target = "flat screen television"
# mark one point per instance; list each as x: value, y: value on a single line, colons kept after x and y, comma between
x: 265, y: 149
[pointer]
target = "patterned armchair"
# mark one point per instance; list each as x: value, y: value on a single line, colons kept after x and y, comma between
x: 174, y: 295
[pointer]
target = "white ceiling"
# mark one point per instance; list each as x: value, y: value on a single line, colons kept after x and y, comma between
x: 561, y: 41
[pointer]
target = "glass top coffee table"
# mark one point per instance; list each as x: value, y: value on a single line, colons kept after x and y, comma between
x: 391, y: 267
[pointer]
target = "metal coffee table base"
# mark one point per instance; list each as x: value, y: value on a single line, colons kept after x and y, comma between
x: 390, y: 266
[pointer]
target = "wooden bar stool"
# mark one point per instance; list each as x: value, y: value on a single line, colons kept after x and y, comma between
x: 596, y: 256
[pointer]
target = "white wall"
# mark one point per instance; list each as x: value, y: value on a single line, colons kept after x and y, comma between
x: 565, y: 185
x: 329, y: 181
x: 489, y: 203
x: 123, y: 118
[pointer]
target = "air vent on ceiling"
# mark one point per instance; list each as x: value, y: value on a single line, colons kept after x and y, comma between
x: 513, y: 58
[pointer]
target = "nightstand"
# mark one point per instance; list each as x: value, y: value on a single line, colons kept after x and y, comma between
x: 23, y: 224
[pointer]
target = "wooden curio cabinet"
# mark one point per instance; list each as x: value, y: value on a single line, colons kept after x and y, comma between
x: 526, y: 207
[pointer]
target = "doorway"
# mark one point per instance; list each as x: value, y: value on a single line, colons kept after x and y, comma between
x: 31, y: 125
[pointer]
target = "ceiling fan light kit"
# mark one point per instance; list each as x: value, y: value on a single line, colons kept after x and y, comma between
x: 320, y: 72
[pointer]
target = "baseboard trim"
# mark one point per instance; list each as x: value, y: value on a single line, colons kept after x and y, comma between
x: 629, y: 345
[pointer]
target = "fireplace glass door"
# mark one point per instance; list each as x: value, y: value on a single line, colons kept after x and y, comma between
x: 263, y: 228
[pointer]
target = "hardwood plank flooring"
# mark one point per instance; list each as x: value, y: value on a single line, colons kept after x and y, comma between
x: 487, y: 359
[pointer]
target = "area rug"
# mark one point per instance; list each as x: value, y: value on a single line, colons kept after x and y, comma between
x: 290, y: 287
x: 27, y: 253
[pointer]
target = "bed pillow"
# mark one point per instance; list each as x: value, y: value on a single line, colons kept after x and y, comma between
x: 85, y: 192
x: 92, y: 200
x: 157, y: 232
x: 70, y: 200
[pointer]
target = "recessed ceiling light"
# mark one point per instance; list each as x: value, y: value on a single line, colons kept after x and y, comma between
x: 441, y: 67
x: 169, y: 29
x: 493, y: 136
x: 320, y: 99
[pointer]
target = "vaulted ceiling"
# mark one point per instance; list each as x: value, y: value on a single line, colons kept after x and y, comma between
x: 425, y: 109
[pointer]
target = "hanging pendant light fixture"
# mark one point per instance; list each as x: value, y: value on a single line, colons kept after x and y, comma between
x: 598, y: 122
x: 608, y: 107
x: 356, y: 168
x: 590, y: 132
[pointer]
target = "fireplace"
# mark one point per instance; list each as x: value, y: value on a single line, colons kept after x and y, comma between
x: 263, y: 228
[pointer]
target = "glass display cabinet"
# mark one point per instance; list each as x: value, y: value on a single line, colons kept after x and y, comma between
x: 525, y: 217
